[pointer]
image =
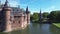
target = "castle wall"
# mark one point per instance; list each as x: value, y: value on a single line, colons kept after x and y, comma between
x: 16, y: 23
x: 28, y: 18
x: 19, y: 22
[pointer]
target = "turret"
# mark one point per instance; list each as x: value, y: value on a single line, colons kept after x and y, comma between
x: 28, y: 15
x: 6, y: 12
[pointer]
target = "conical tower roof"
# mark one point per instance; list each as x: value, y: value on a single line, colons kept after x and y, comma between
x: 6, y: 3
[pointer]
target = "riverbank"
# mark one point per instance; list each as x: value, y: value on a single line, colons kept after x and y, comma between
x: 57, y: 24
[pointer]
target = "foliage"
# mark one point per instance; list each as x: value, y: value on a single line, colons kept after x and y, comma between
x: 54, y: 16
x: 35, y: 17
x: 45, y: 14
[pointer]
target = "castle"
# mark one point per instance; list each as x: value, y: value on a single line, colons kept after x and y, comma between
x: 13, y: 18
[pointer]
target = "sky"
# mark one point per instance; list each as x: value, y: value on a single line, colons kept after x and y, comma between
x: 35, y: 5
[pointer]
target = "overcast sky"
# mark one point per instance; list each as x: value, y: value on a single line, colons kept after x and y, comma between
x: 36, y: 5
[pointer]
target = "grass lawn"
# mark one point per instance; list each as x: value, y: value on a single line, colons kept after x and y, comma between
x: 57, y: 24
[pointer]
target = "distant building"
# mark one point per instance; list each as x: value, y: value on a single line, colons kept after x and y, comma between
x: 40, y: 17
x: 13, y: 18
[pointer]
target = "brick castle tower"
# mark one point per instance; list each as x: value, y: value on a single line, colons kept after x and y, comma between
x: 6, y: 17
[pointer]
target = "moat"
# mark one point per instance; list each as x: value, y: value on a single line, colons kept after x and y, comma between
x: 35, y: 28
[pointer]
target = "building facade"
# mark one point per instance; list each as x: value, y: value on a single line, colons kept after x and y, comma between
x: 12, y: 18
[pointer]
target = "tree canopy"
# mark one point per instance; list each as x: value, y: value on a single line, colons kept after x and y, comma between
x: 45, y: 14
x: 54, y: 15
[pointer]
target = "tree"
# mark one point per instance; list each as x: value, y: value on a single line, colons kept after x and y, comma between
x: 45, y: 14
x: 35, y: 17
x: 54, y: 16
x: 58, y: 16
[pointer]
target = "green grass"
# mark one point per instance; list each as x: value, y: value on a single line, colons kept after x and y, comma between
x: 57, y: 24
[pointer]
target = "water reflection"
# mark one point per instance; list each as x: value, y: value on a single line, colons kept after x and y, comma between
x: 40, y: 29
x: 35, y: 28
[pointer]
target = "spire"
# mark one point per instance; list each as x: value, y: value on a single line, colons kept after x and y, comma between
x: 6, y: 3
x: 40, y: 11
x: 27, y: 9
x: 40, y: 16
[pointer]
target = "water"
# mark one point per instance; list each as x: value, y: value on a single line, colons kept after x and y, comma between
x: 35, y: 28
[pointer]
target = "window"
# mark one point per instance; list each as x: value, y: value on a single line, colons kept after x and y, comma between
x: 19, y: 22
x: 13, y: 21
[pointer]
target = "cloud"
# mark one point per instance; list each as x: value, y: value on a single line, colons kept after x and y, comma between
x: 2, y: 1
x: 34, y: 12
x: 49, y: 9
x: 12, y: 3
